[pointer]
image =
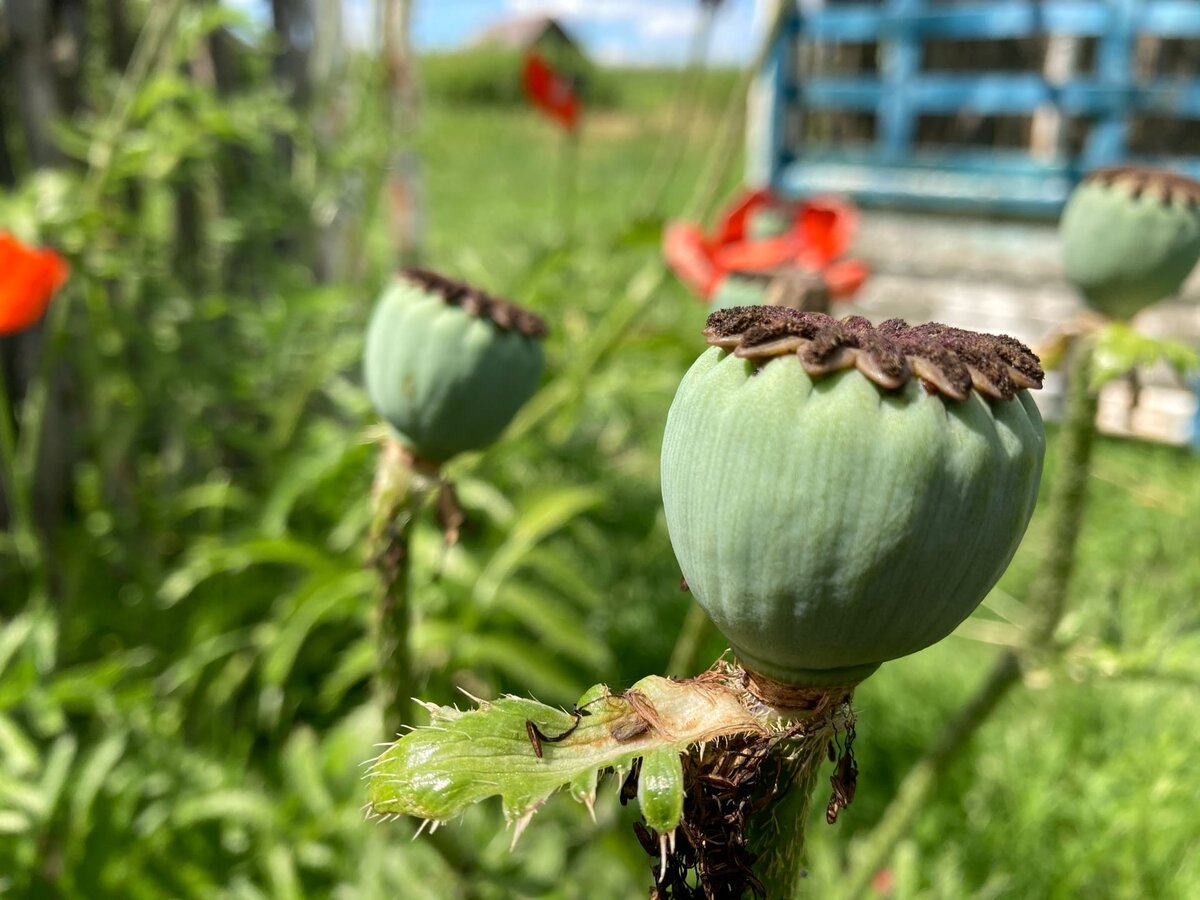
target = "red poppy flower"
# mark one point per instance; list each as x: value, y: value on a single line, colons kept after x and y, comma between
x: 819, y: 234
x: 551, y: 92
x: 28, y: 279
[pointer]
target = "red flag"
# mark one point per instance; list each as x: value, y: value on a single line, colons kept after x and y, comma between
x: 551, y: 92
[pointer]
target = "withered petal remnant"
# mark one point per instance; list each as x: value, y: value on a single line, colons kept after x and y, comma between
x: 504, y: 314
x: 948, y: 361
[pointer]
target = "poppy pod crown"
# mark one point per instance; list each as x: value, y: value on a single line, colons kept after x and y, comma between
x: 448, y: 365
x: 839, y: 494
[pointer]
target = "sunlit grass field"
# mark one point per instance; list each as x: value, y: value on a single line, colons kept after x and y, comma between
x: 192, y: 722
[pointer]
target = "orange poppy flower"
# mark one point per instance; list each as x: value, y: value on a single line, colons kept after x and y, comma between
x: 28, y: 279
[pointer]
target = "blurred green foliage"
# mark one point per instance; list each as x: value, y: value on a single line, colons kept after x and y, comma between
x: 189, y: 715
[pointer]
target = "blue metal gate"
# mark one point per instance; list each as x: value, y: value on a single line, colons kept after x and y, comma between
x: 894, y: 168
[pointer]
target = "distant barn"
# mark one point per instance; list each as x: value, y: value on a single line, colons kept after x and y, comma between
x: 527, y: 33
x: 543, y: 34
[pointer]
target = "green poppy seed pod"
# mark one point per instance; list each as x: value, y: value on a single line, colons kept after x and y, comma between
x: 448, y: 366
x: 839, y: 495
x: 1130, y: 236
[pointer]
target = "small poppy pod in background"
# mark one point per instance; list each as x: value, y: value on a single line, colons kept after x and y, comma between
x: 839, y: 495
x: 1130, y: 236
x: 28, y: 280
x: 447, y: 365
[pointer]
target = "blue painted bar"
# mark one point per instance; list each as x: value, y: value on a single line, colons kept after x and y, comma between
x: 984, y: 20
x: 1005, y: 94
x: 991, y: 21
x: 1195, y: 442
x: 1173, y: 19
x: 901, y: 60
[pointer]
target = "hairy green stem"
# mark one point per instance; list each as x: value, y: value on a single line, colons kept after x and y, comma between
x: 21, y: 451
x: 399, y: 492
x: 402, y: 485
x: 16, y: 495
x: 781, y: 841
x: 1046, y: 603
x: 819, y: 720
x: 1048, y: 595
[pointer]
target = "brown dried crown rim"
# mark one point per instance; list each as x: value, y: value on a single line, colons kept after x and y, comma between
x: 1139, y: 180
x: 948, y: 361
x: 504, y: 314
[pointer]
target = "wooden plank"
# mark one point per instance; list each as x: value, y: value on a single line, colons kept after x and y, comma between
x: 995, y: 20
x: 930, y: 187
x: 1003, y: 94
x: 982, y: 20
x: 1171, y: 18
x: 766, y: 153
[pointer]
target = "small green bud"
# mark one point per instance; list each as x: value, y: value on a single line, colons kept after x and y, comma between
x: 660, y: 789
x: 839, y: 495
x: 1130, y: 236
x: 448, y: 366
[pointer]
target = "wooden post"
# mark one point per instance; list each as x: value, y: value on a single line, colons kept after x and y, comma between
x: 1047, y: 137
x: 37, y: 101
x: 39, y: 107
x: 405, y: 206
x: 331, y: 101
x: 293, y: 22
x: 901, y: 64
x: 765, y: 131
x: 1114, y: 59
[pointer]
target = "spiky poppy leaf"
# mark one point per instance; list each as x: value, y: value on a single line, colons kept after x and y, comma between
x: 523, y: 751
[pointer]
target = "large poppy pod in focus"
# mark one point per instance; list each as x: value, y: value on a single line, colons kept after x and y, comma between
x: 28, y: 280
x: 839, y: 494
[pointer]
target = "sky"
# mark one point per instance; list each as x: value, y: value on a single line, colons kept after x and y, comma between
x: 618, y: 32
x: 614, y: 32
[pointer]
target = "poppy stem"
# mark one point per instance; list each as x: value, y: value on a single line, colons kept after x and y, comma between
x: 780, y: 864
x: 15, y: 491
x: 1046, y: 603
x: 399, y: 493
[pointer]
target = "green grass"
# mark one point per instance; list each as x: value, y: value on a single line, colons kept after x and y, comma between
x: 191, y: 721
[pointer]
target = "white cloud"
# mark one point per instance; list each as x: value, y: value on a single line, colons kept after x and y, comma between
x: 675, y: 24
x: 612, y: 53
x: 618, y: 32
x: 596, y: 10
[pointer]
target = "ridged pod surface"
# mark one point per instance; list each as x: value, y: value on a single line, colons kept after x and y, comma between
x: 839, y: 495
x: 1130, y: 236
x: 448, y: 366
